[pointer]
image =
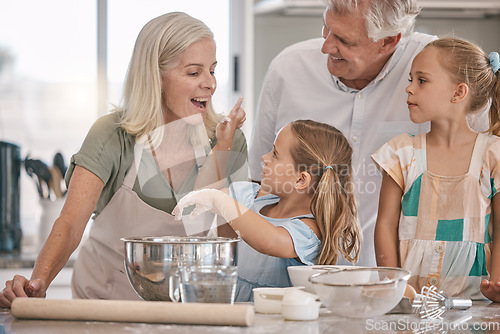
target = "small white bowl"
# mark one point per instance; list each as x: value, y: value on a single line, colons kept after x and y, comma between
x: 300, y: 311
x: 269, y: 300
x: 299, y: 297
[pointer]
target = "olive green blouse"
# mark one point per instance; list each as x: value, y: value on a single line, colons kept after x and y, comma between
x: 108, y: 152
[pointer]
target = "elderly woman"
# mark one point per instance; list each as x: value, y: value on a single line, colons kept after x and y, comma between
x: 163, y: 141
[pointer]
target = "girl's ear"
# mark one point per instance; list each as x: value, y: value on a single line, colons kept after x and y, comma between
x: 461, y: 92
x: 304, y: 181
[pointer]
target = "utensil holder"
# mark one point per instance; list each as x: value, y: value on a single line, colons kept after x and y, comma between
x: 51, y: 210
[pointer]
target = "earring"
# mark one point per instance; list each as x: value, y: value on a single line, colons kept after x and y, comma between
x: 454, y: 99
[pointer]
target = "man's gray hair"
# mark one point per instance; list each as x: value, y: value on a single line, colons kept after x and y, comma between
x: 383, y: 18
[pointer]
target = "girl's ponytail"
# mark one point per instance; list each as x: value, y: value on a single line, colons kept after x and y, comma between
x: 333, y: 205
x: 495, y: 107
x: 325, y: 153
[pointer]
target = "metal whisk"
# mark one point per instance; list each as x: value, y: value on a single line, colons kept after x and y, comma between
x: 432, y: 303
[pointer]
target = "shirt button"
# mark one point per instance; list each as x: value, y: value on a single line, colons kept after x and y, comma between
x: 355, y: 138
x: 433, y: 281
x: 439, y: 248
x: 360, y: 95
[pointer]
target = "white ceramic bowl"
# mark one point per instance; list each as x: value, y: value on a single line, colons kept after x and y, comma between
x: 300, y: 311
x: 299, y: 297
x: 299, y: 275
x: 361, y: 292
x: 268, y: 300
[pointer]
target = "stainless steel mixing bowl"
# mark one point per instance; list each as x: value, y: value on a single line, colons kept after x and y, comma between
x: 150, y: 262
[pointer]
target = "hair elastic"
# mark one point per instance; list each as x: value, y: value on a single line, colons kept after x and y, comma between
x: 494, y: 61
x: 328, y: 167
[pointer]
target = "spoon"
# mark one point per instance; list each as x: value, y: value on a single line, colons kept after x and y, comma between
x: 55, y: 181
x: 156, y: 277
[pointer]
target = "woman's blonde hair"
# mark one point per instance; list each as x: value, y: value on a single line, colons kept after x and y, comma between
x: 156, y: 49
x: 467, y: 63
x: 325, y: 153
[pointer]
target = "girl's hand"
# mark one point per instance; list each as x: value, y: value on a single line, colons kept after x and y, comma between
x: 212, y: 200
x: 19, y: 286
x: 227, y: 127
x: 491, y: 290
x: 204, y: 200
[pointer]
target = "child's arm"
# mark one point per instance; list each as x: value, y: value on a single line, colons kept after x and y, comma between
x: 386, y: 228
x: 213, y: 172
x: 491, y: 288
x: 250, y: 226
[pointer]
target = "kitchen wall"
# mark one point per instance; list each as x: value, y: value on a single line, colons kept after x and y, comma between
x: 275, y: 32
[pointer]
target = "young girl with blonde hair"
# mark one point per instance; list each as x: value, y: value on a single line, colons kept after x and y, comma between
x: 303, y: 212
x: 438, y: 204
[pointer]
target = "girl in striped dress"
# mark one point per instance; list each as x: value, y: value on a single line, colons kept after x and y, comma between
x: 438, y: 205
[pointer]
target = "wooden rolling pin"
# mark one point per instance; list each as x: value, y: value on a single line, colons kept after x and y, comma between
x: 133, y: 311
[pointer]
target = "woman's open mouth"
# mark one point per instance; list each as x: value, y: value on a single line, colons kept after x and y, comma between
x: 200, y: 102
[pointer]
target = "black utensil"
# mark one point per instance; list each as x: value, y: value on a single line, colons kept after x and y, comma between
x: 28, y: 166
x: 42, y: 171
x: 59, y: 163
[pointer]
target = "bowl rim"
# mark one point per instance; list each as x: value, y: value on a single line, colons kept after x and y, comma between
x: 271, y: 290
x: 325, y: 267
x: 167, y: 239
x: 405, y: 277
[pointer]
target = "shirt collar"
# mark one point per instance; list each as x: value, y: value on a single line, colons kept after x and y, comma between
x: 340, y: 85
x: 393, y: 60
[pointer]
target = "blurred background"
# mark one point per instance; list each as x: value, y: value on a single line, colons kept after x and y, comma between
x: 63, y: 62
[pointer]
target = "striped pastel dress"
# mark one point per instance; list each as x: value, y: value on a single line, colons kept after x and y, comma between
x: 444, y: 227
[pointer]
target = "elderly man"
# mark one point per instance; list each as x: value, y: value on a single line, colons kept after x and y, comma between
x: 353, y: 78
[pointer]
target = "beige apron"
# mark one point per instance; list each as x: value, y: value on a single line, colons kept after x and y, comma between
x: 99, y: 271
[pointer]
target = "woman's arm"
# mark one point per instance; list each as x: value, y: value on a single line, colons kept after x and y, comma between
x: 213, y: 172
x: 386, y: 228
x: 83, y: 193
x: 491, y: 288
x: 250, y: 226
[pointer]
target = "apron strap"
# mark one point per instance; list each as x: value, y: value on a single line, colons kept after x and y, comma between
x: 131, y: 175
x: 200, y: 154
x: 420, y: 154
x: 308, y: 216
x: 476, y: 162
